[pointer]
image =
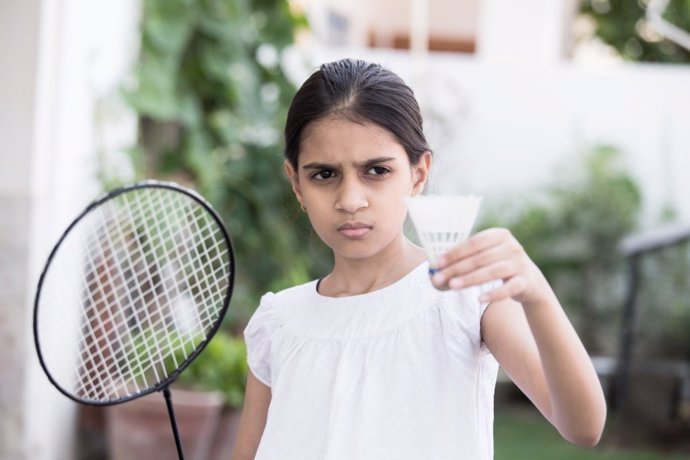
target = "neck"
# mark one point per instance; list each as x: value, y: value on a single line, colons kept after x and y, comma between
x: 359, y: 276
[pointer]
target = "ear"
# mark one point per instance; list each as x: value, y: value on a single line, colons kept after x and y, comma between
x: 420, y: 173
x: 294, y: 180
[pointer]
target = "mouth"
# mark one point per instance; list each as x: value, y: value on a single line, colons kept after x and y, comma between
x: 354, y: 229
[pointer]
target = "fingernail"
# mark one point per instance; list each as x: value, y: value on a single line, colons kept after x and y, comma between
x: 455, y: 283
x: 441, y: 261
x: 438, y: 278
x: 484, y: 298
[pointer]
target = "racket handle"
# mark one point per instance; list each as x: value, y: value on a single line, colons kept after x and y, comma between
x: 173, y: 423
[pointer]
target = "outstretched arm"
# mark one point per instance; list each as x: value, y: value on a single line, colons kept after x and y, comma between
x: 529, y: 334
x: 540, y: 351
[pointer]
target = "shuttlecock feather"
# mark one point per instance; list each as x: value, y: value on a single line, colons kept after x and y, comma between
x: 442, y: 222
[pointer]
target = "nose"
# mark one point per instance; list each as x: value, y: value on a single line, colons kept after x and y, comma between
x: 352, y: 196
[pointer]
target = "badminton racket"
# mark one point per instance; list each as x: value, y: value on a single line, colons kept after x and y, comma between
x: 131, y: 293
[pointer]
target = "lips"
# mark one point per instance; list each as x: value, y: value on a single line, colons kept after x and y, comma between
x: 354, y: 229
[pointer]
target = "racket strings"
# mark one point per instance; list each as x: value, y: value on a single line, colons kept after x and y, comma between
x: 123, y: 273
x: 113, y: 273
x: 154, y: 276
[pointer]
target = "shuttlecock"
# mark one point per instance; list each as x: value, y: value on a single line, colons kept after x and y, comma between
x: 442, y: 222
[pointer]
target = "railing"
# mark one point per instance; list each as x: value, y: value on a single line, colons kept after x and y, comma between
x: 655, y: 328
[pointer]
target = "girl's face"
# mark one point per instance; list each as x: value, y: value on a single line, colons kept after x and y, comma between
x: 352, y: 178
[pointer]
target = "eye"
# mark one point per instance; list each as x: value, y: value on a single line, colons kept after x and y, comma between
x: 378, y: 171
x: 323, y: 174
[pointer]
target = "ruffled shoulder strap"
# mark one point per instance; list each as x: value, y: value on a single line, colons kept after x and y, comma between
x: 258, y: 336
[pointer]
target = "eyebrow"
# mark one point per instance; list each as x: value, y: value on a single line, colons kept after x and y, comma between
x: 370, y: 162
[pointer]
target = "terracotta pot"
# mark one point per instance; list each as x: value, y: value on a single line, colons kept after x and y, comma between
x: 226, y: 434
x: 140, y: 429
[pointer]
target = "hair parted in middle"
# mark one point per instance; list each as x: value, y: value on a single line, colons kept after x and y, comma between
x: 362, y: 92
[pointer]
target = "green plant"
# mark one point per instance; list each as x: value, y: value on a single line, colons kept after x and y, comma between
x: 221, y: 366
x: 212, y: 95
x: 622, y: 24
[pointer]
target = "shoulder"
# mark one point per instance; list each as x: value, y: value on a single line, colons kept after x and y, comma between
x: 265, y: 323
x: 299, y: 291
x: 295, y: 295
x: 272, y: 305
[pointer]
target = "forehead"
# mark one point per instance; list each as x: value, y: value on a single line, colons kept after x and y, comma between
x: 338, y: 139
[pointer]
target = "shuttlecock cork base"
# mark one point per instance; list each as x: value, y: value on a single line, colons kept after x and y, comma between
x: 442, y: 222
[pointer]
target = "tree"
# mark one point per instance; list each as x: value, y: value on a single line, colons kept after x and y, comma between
x: 212, y: 97
x: 622, y: 24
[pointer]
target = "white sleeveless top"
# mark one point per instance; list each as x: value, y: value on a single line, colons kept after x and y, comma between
x: 398, y: 373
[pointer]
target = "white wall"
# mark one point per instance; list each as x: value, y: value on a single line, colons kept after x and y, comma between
x: 19, y: 27
x: 86, y: 48
x: 522, y: 125
x: 61, y: 63
x: 527, y: 33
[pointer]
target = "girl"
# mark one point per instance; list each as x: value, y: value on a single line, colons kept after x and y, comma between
x: 375, y: 360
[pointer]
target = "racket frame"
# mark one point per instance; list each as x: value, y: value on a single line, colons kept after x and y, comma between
x: 165, y: 383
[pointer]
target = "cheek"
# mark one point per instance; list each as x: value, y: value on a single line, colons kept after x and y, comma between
x: 311, y: 197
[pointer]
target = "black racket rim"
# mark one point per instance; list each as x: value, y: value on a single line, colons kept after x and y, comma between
x: 165, y: 383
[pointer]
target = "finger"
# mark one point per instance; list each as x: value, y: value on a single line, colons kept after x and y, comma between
x: 474, y: 244
x: 509, y: 289
x: 476, y: 261
x: 500, y: 270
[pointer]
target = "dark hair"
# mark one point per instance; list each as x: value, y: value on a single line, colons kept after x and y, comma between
x: 359, y: 91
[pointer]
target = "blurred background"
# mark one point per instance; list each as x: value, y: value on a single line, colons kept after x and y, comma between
x: 569, y: 117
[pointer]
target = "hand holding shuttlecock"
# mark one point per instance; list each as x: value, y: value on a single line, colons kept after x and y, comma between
x: 442, y: 222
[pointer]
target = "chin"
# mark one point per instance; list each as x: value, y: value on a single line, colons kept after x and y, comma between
x: 355, y: 254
